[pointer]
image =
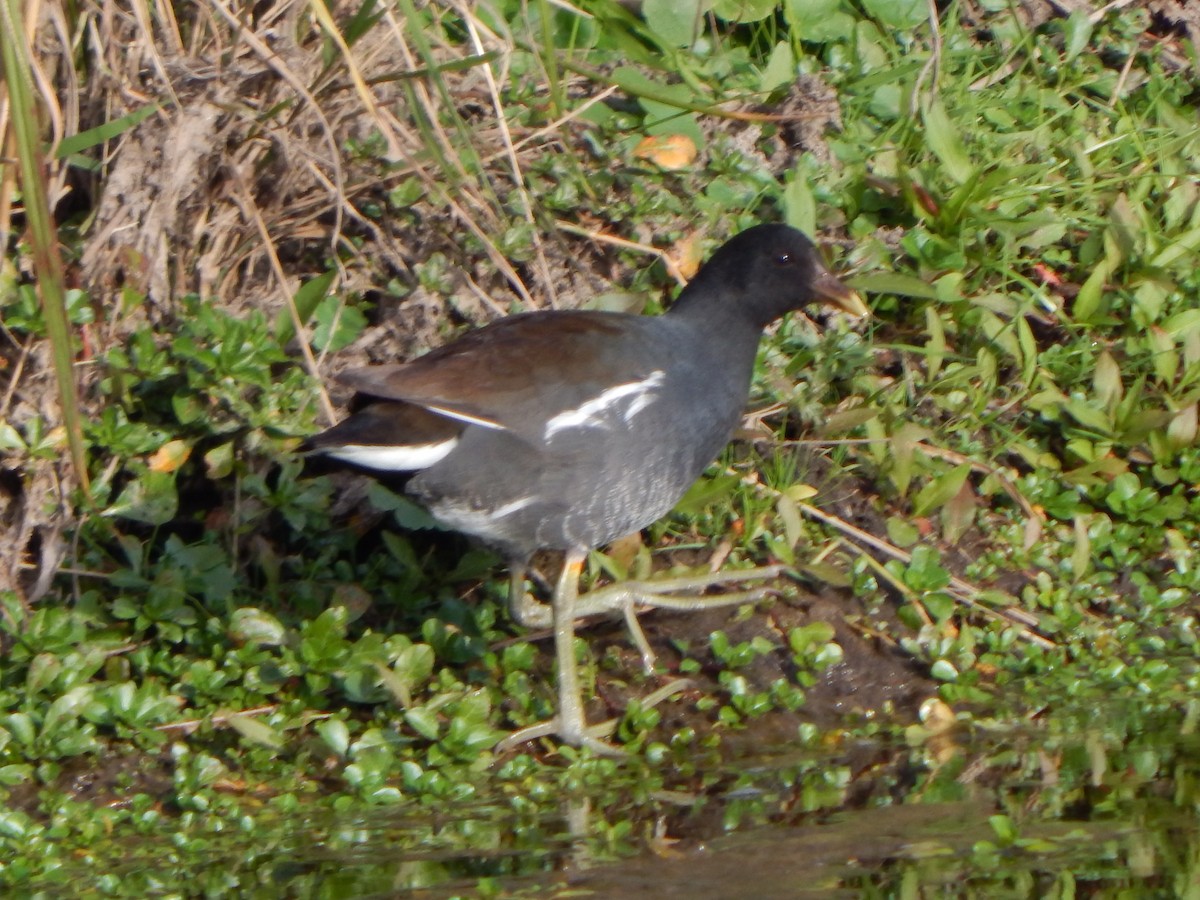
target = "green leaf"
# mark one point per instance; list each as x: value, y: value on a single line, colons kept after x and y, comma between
x: 743, y: 11
x: 902, y: 532
x: 663, y: 118
x: 810, y: 637
x: 895, y: 283
x: 944, y: 671
x: 668, y: 106
x: 85, y: 140
x: 887, y: 102
x: 1185, y: 246
x: 188, y: 407
x: 1029, y: 351
x: 395, y: 685
x: 1182, y: 430
x: 677, y: 22
x: 335, y: 734
x: 337, y: 325
x: 818, y: 20
x: 1077, y: 31
x: 898, y: 13
x: 67, y: 707
x: 10, y: 438
x: 1090, y: 300
x: 150, y: 498
x: 407, y: 513
x: 924, y: 571
x: 1004, y: 828
x: 1164, y: 358
x: 789, y: 514
x: 1183, y: 324
x: 826, y: 572
x: 941, y: 490
x: 307, y: 297
x: 639, y: 85
x: 799, y: 205
x: 360, y: 23
x: 415, y: 665
x: 1088, y: 416
x: 15, y: 824
x: 946, y: 143
x: 940, y: 606
x: 1148, y: 299
x: 423, y: 721
x: 706, y: 491
x: 780, y: 68
x: 12, y: 776
x: 255, y: 730
x: 250, y: 625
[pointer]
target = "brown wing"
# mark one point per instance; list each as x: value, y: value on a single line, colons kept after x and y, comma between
x: 385, y: 423
x: 520, y: 368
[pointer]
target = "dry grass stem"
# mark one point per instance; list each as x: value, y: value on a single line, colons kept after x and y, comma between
x: 961, y: 590
x: 625, y: 244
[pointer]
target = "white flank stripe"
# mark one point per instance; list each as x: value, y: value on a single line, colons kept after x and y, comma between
x: 509, y: 508
x: 392, y: 458
x: 480, y: 522
x: 588, y: 415
x: 645, y: 398
x: 464, y: 417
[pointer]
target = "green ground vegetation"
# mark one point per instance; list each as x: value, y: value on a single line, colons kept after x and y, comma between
x: 238, y: 682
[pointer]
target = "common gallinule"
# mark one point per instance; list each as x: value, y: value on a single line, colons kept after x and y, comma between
x: 563, y: 430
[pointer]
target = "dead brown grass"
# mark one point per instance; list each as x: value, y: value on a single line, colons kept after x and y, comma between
x: 273, y: 144
x: 254, y: 123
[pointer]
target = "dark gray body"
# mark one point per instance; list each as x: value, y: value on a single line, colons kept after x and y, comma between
x: 612, y: 474
x: 566, y: 430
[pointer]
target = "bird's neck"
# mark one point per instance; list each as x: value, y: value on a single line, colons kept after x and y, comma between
x: 714, y: 332
x: 719, y: 309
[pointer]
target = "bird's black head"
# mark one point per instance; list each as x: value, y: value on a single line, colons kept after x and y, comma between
x: 765, y: 272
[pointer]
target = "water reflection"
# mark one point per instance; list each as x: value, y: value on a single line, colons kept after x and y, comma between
x: 1055, y: 806
x: 1044, y: 809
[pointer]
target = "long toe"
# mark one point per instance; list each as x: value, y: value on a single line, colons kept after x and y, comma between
x: 683, y: 592
x: 592, y: 738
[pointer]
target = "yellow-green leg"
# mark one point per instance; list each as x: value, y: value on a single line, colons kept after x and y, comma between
x: 567, y: 606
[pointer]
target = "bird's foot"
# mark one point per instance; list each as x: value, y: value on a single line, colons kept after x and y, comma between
x: 589, y: 737
x: 666, y: 593
x: 673, y: 593
x: 678, y: 593
x: 529, y: 612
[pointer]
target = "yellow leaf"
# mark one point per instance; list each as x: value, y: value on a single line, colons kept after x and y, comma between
x: 670, y: 151
x: 935, y: 347
x: 1032, y: 533
x: 800, y: 492
x: 937, y: 716
x: 218, y: 462
x: 688, y: 256
x: 902, y: 448
x: 1081, y: 556
x: 1182, y: 430
x: 1165, y: 359
x: 789, y: 515
x: 958, y: 514
x: 170, y: 456
x: 624, y: 550
x: 1106, y: 381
